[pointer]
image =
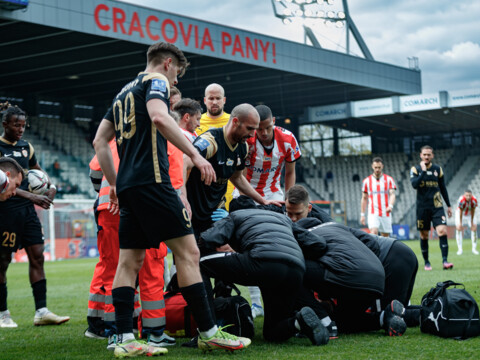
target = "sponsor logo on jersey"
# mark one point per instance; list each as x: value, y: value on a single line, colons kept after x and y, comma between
x: 159, y: 85
x: 267, y: 158
x: 201, y: 143
x: 229, y: 162
x: 17, y: 154
x: 429, y: 173
x: 262, y: 170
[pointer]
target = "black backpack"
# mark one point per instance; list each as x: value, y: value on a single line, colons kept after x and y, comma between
x: 236, y: 311
x: 449, y: 313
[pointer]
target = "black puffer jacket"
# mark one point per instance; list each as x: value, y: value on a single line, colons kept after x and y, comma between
x: 263, y: 234
x: 348, y: 261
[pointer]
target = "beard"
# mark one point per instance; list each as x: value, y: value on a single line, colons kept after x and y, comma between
x: 215, y: 111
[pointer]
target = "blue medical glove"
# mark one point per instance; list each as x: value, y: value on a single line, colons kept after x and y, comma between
x: 219, y: 214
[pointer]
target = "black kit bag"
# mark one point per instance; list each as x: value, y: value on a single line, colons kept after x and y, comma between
x: 236, y: 312
x: 449, y: 312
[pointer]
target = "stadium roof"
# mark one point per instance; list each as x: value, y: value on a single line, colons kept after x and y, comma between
x: 85, y: 51
x: 411, y: 115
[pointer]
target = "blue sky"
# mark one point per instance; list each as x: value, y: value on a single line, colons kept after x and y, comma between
x: 443, y: 34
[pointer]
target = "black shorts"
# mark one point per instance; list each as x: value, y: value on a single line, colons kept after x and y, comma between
x: 20, y: 228
x: 150, y: 214
x: 425, y: 216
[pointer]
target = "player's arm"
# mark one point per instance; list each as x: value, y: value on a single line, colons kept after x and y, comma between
x: 245, y: 188
x: 363, y: 208
x: 443, y: 191
x: 415, y: 177
x: 290, y: 176
x: 391, y: 200
x: 158, y: 111
x: 105, y: 133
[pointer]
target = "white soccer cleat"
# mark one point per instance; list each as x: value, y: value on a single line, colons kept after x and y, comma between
x: 474, y: 251
x: 49, y: 319
x: 6, y: 320
x: 460, y: 252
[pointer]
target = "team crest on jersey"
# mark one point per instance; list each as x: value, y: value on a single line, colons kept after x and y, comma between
x: 24, y: 153
x: 435, y: 173
x: 159, y: 85
x: 239, y: 161
x: 229, y: 162
x: 201, y: 143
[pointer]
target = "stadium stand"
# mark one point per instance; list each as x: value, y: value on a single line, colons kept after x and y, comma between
x: 54, y: 140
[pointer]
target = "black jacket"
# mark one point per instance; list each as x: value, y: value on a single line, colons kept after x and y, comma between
x: 351, y: 258
x: 264, y: 235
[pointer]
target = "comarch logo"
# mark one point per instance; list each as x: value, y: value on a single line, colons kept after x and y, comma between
x: 421, y: 101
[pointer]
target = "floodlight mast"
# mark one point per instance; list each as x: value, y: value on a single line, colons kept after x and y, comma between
x: 289, y: 10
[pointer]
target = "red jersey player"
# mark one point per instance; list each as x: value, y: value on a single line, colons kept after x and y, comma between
x: 465, y: 213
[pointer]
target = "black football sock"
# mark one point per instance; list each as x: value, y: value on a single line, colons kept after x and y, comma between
x: 123, y: 298
x: 39, y: 290
x: 3, y: 297
x: 444, y: 247
x: 196, y: 298
x: 424, y: 247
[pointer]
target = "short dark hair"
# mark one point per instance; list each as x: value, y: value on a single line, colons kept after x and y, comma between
x: 264, y: 111
x: 9, y: 164
x: 297, y: 194
x: 8, y: 111
x: 377, y: 159
x: 187, y: 106
x: 426, y: 147
x: 158, y: 52
x: 468, y: 191
x: 174, y: 91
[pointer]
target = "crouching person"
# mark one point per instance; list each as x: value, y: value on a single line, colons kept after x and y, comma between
x: 259, y: 249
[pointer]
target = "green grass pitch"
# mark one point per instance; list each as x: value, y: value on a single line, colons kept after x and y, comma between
x: 68, y: 287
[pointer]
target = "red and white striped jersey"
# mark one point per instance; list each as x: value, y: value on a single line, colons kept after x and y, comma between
x: 264, y: 167
x: 190, y: 136
x: 467, y: 206
x: 377, y: 190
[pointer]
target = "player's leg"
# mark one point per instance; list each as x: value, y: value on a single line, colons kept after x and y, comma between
x: 442, y: 234
x: 473, y: 230
x: 439, y: 222
x: 43, y: 316
x: 5, y: 317
x: 373, y: 223
x: 423, y: 226
x: 458, y: 232
x: 33, y: 242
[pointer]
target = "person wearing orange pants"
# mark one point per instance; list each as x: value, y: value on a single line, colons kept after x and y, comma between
x: 101, y: 312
